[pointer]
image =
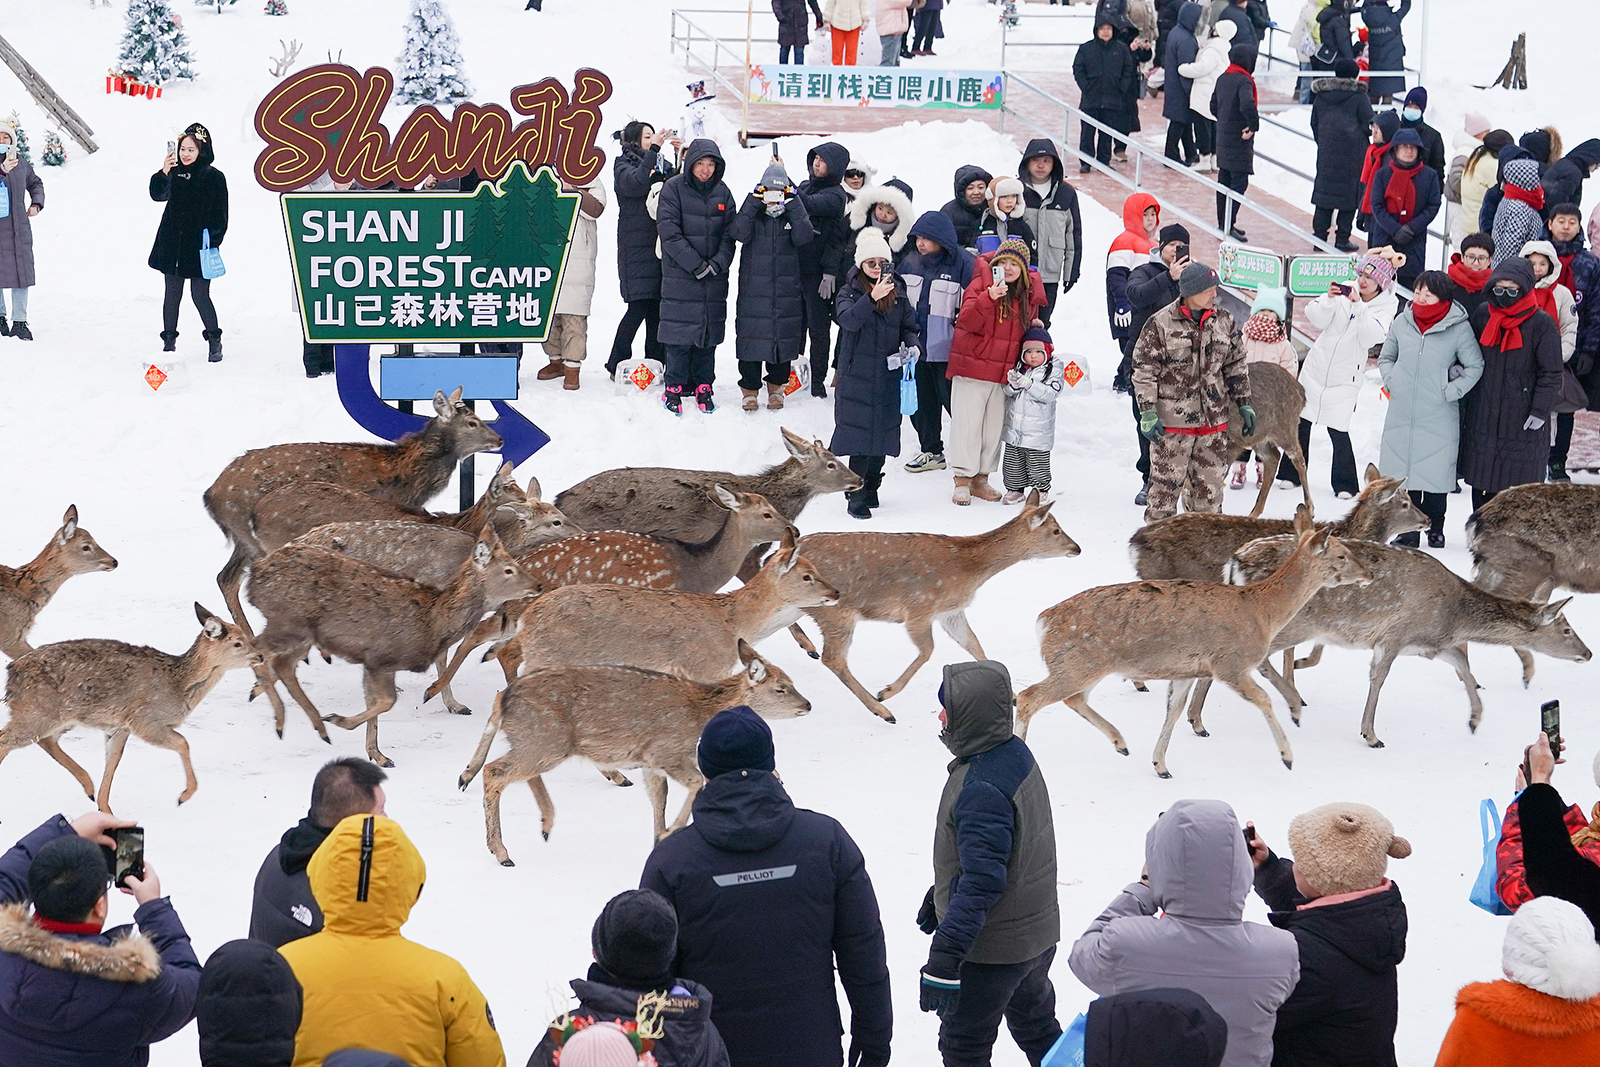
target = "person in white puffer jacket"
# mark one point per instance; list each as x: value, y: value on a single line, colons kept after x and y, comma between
x: 1032, y: 388
x: 1204, y: 71
x: 846, y: 17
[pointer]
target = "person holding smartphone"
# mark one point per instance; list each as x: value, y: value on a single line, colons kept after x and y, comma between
x: 22, y: 193
x: 75, y: 994
x: 1555, y: 865
x: 196, y: 195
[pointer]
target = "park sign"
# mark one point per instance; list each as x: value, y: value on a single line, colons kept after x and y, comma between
x: 967, y: 90
x: 1311, y: 275
x: 1244, y: 267
x: 407, y: 268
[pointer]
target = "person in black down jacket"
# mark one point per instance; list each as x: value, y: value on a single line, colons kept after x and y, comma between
x: 992, y: 910
x: 1350, y: 924
x: 1169, y: 1027
x: 1553, y: 865
x: 1411, y: 118
x: 1182, y: 47
x: 635, y: 942
x: 1237, y: 12
x: 877, y: 336
x: 769, y: 316
x: 196, y: 195
x: 695, y: 219
x: 770, y: 899
x: 282, y: 908
x: 637, y: 169
x: 1504, y: 437
x: 1563, y: 182
x: 1341, y: 123
x: 966, y: 209
x: 248, y: 1008
x: 1406, y: 195
x: 70, y: 994
x: 1386, y: 47
x: 1333, y: 24
x: 1107, y: 79
x: 1234, y: 104
x: 823, y: 261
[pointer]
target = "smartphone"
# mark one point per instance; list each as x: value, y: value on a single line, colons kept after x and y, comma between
x: 1249, y: 836
x: 172, y: 148
x: 1550, y: 723
x: 1343, y: 288
x: 998, y: 274
x: 1182, y: 252
x: 127, y: 858
x: 774, y: 149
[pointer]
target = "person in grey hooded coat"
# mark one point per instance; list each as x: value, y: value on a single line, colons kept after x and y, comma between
x: 1198, y: 873
x: 1182, y: 47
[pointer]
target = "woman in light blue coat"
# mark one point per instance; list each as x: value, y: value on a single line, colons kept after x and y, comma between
x: 1430, y: 360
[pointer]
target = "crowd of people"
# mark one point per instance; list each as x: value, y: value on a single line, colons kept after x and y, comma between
x: 726, y: 954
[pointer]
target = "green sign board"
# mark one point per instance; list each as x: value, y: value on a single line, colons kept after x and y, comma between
x: 1249, y: 268
x: 405, y: 268
x: 1311, y: 275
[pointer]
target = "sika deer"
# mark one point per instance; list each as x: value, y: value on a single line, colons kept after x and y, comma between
x: 1181, y: 630
x: 696, y: 634
x: 663, y: 502
x: 616, y: 717
x: 407, y: 474
x: 1532, y: 539
x: 1278, y: 399
x: 25, y: 590
x: 1415, y: 606
x: 917, y: 579
x: 119, y: 689
x: 366, y: 615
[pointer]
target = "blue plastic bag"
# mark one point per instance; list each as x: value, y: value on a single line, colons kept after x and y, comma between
x: 210, y: 258
x: 5, y: 200
x: 1484, y: 894
x: 908, y: 389
x: 1068, y: 1049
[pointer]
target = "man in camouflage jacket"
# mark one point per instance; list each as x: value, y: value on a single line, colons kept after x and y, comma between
x: 1187, y: 364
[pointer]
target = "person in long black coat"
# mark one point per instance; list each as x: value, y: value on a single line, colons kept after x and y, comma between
x: 1234, y: 104
x: 1107, y: 80
x: 693, y: 218
x: 1182, y: 47
x: 876, y: 322
x: 1236, y: 12
x: 794, y: 32
x: 1386, y: 47
x: 1166, y: 20
x: 1505, y: 436
x: 823, y: 261
x: 769, y: 316
x: 1333, y: 28
x: 637, y: 169
x: 1341, y: 123
x: 1563, y: 182
x: 196, y: 195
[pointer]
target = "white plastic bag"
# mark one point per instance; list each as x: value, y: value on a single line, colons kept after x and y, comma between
x: 164, y: 378
x: 1074, y: 375
x: 640, y: 376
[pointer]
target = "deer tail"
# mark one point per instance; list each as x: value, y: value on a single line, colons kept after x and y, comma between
x: 490, y: 728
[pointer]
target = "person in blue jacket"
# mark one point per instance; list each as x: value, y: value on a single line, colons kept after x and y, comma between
x: 771, y: 899
x: 73, y: 994
x: 1386, y: 47
x: 936, y: 272
x: 1406, y: 196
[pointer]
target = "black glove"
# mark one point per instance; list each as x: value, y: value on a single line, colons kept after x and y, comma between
x: 1404, y: 235
x: 877, y: 1056
x: 941, y: 979
x: 927, y: 918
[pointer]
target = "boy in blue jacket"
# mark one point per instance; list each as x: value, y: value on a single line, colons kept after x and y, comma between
x: 936, y: 273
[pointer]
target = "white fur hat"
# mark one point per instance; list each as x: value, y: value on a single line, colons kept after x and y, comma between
x: 1550, y: 948
x: 1006, y: 185
x: 871, y: 244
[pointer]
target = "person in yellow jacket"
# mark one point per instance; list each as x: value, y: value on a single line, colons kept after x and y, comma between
x: 365, y: 985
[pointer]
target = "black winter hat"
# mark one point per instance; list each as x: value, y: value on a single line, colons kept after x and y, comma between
x: 736, y: 740
x: 1243, y: 55
x: 1170, y: 1027
x: 1346, y: 68
x: 1516, y: 269
x: 248, y: 1008
x: 1196, y: 278
x: 635, y: 939
x: 1172, y: 232
x: 66, y: 878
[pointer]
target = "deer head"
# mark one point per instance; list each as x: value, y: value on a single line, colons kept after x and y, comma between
x: 224, y: 645
x: 1045, y: 537
x: 768, y: 691
x: 761, y: 520
x: 470, y: 433
x: 76, y: 550
x: 1549, y: 632
x: 503, y: 578
x: 797, y: 582
x: 821, y: 467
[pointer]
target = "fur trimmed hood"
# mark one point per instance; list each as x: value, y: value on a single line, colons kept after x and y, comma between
x: 1528, y: 1011
x: 127, y: 959
x: 872, y: 195
x: 1349, y: 85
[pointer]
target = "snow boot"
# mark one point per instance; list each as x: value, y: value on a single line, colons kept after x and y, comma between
x: 775, y: 396
x: 982, y: 489
x: 857, y: 505
x: 1408, y: 540
x: 702, y: 397
x: 569, y: 371
x: 672, y: 399
x: 749, y: 398
x: 963, y: 493
x: 550, y: 371
x: 5, y: 329
x: 169, y: 340
x: 1435, y: 538
x: 1142, y: 497
x: 1558, y: 469
x: 869, y: 490
x: 20, y: 331
x: 214, y: 340
x: 1013, y: 496
x: 1236, y: 479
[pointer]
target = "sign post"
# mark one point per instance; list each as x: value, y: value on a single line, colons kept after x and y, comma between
x: 1244, y: 267
x: 1310, y: 276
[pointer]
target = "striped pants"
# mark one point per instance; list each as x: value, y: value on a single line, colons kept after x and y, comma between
x: 1025, y: 467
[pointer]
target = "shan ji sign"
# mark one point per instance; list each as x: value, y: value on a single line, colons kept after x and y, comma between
x: 431, y: 267
x: 972, y: 90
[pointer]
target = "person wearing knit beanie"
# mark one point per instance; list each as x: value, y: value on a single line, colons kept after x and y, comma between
x: 1012, y: 248
x: 1196, y: 279
x: 600, y: 1045
x: 1171, y: 232
x: 635, y: 939
x: 1350, y: 924
x: 735, y: 740
x: 1381, y: 269
x: 872, y: 244
x: 1002, y: 218
x: 1476, y: 124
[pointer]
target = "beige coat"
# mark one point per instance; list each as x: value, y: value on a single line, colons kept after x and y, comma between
x: 847, y: 14
x: 577, y: 282
x: 894, y: 16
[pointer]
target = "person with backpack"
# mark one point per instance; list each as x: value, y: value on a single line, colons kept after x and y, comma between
x: 936, y: 271
x: 768, y: 323
x: 1050, y: 208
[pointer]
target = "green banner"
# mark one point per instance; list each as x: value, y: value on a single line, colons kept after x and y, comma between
x: 1249, y: 268
x: 1311, y: 275
x: 405, y: 268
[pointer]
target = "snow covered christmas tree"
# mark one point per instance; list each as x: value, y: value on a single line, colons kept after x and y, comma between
x: 55, y: 153
x: 21, y: 137
x: 155, y: 50
x: 277, y: 7
x: 430, y: 68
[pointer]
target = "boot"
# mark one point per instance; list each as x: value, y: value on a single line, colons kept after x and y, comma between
x: 857, y: 505
x: 963, y: 493
x: 672, y: 399
x: 169, y: 340
x: 570, y: 372
x: 982, y: 489
x: 550, y: 370
x: 5, y: 330
x: 1142, y: 497
x: 214, y: 338
x: 775, y: 397
x: 1558, y: 468
x: 869, y: 490
x: 702, y: 397
x: 1435, y: 538
x: 1013, y: 496
x: 749, y: 398
x: 1344, y: 244
x: 20, y: 331
x: 1236, y: 481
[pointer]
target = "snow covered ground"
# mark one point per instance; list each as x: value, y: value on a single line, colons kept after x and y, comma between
x: 81, y: 427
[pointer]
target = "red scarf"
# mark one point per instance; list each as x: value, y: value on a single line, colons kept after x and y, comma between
x: 1427, y: 316
x: 1534, y: 197
x: 65, y: 928
x: 1234, y: 68
x: 1504, y: 328
x: 1469, y: 279
x: 1374, y: 160
x: 1400, y: 196
x: 1545, y: 297
x: 1567, y: 278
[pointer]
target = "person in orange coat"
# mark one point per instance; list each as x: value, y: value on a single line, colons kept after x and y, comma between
x: 1547, y: 1009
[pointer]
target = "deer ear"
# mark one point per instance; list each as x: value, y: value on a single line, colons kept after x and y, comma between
x: 1372, y: 474
x: 747, y: 655
x: 1302, y: 521
x: 1037, y: 519
x: 481, y: 553
x: 213, y: 628
x: 442, y: 407
x: 757, y: 672
x: 68, y: 528
x: 1550, y: 612
x: 727, y: 499
x: 455, y: 398
x: 795, y: 444
x: 71, y: 515
x: 1319, y: 541
x: 504, y: 481
x: 1033, y: 498
x: 201, y: 613
x: 534, y: 494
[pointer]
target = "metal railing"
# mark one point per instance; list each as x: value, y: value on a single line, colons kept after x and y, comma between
x: 686, y: 44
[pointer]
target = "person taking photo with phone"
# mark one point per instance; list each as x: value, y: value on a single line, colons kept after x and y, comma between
x: 73, y: 994
x: 1554, y: 860
x: 196, y: 195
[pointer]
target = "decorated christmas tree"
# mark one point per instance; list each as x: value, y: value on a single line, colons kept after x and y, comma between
x: 277, y: 7
x: 21, y: 137
x: 155, y: 50
x: 218, y: 4
x: 55, y: 153
x: 430, y: 67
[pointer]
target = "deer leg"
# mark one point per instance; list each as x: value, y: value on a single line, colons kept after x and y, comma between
x: 955, y: 624
x: 1456, y: 656
x: 450, y: 701
x: 1079, y: 702
x: 1240, y: 683
x: 484, y: 632
x: 116, y: 741
x: 230, y: 578
x: 655, y: 787
x: 921, y: 633
x: 380, y: 692
x: 547, y: 807
x: 1035, y: 697
x: 687, y: 774
x: 1297, y: 456
x: 1177, y: 695
x: 1267, y: 454
x: 802, y: 640
x: 510, y: 657
x: 1527, y: 665
x: 284, y: 666
x: 1197, y: 704
x: 15, y: 649
x: 169, y: 738
x: 495, y: 779
x: 837, y: 630
x: 1382, y: 660
x: 53, y: 746
x: 1290, y: 695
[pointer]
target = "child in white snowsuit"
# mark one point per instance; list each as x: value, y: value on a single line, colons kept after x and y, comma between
x: 1032, y: 388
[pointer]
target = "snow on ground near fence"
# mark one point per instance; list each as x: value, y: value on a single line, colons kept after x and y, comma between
x: 81, y: 427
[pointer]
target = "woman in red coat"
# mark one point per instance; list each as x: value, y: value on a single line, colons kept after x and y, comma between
x: 997, y: 309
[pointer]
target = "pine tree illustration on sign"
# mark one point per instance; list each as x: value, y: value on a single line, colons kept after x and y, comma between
x: 431, y: 70
x: 155, y: 50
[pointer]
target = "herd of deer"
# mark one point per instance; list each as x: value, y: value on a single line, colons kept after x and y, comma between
x: 604, y: 611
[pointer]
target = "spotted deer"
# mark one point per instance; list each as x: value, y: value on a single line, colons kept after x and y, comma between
x: 119, y: 689
x: 407, y: 474
x: 1181, y: 630
x: 916, y: 580
x: 366, y: 615
x: 25, y: 590
x: 616, y: 717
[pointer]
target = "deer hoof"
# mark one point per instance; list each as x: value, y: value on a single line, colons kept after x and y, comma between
x: 507, y: 862
x: 383, y: 761
x: 1472, y: 727
x: 462, y: 783
x: 1375, y: 743
x: 1140, y: 687
x: 1163, y: 773
x: 326, y: 658
x: 1122, y: 750
x: 1202, y: 733
x: 463, y: 710
x: 813, y: 655
x: 546, y: 833
x: 255, y: 691
x: 890, y: 719
x: 327, y: 740
x: 1289, y: 763
x: 279, y: 732
x: 430, y: 692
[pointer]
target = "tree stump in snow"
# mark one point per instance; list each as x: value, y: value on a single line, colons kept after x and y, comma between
x: 1514, y: 75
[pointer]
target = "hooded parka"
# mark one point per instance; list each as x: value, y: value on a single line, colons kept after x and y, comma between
x: 1053, y: 216
x: 935, y: 284
x: 633, y: 174
x: 1182, y: 47
x: 861, y: 215
x: 962, y: 214
x: 196, y: 196
x: 1200, y: 874
x: 794, y: 29
x: 367, y: 986
x: 1106, y: 74
x: 826, y: 201
x: 1333, y: 34
x: 866, y: 401
x: 694, y: 219
x: 1341, y: 123
x: 16, y: 231
x: 1337, y: 359
x: 1031, y: 408
x: 1233, y: 102
x: 1422, y: 428
x: 282, y: 908
x: 1563, y: 182
x: 767, y: 322
x: 1386, y: 47
x: 248, y: 1009
x: 1386, y: 226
